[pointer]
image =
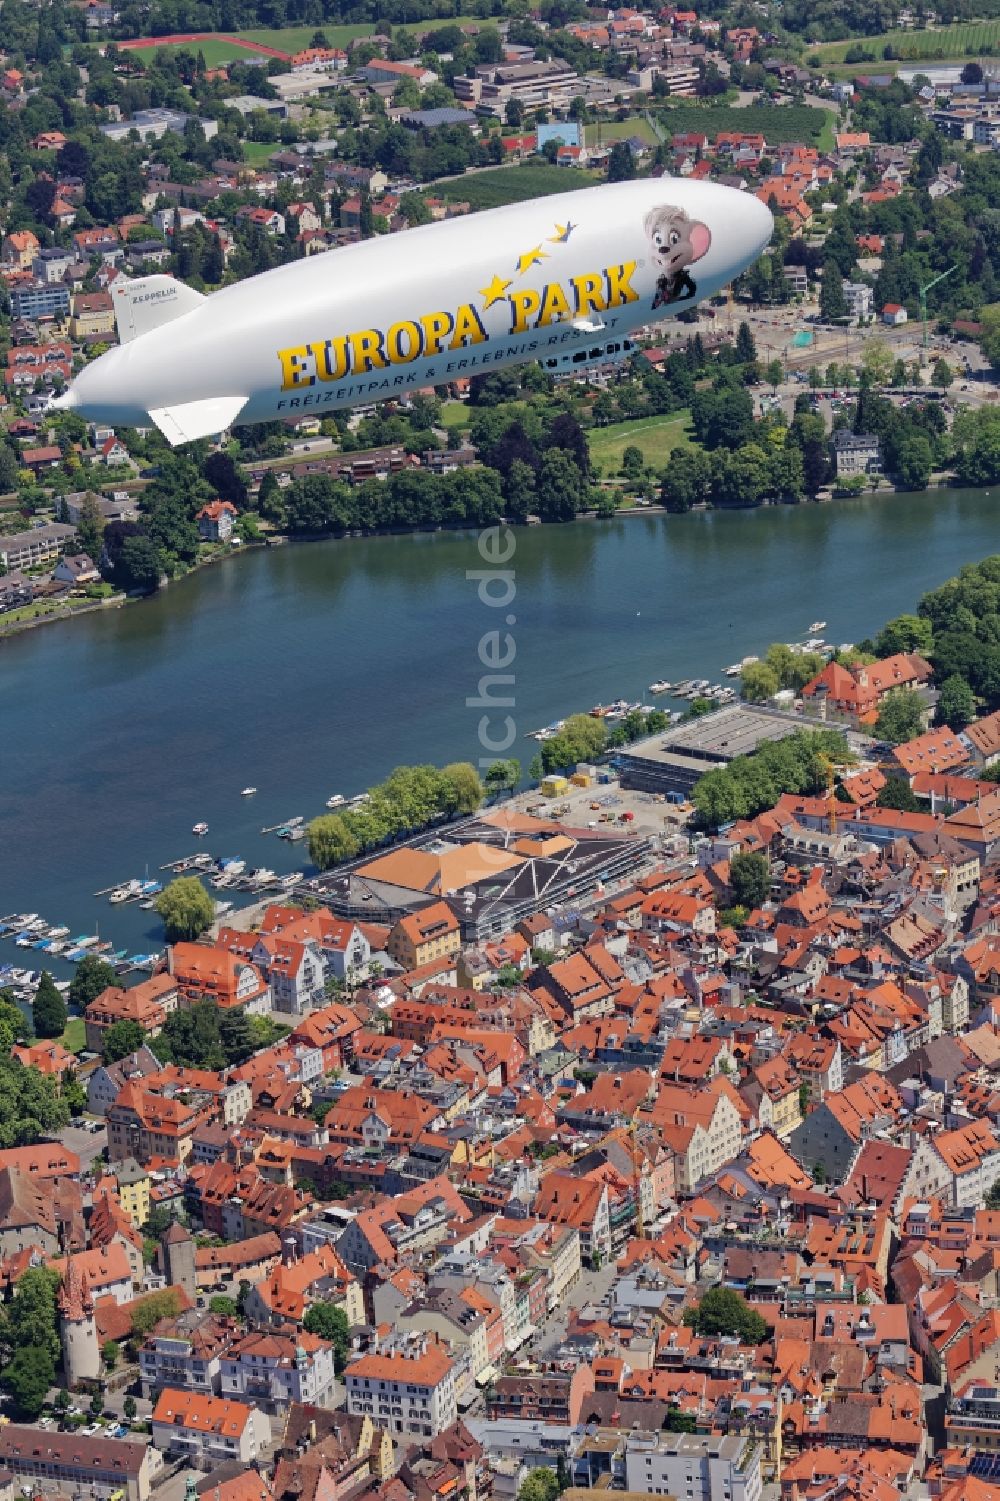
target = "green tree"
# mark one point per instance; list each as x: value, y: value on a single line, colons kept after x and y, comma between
x: 877, y: 361
x: 192, y: 1038
x: 633, y: 463
x: 93, y: 975
x: 330, y: 1323
x: 774, y: 372
x: 559, y: 486
x: 330, y: 841
x: 137, y: 566
x: 96, y: 1404
x: 687, y: 480
x: 621, y: 164
x: 677, y: 1421
x: 465, y: 790
x: 121, y: 1039
x: 14, y: 1025
x: 993, y: 1196
x: 502, y: 776
x: 758, y: 682
x: 746, y: 349
x: 905, y: 633
x: 539, y: 1485
x: 150, y: 1310
x: 956, y: 705
x: 129, y: 1409
x: 723, y: 1311
x: 236, y: 1036
x: 48, y: 1009
x: 898, y: 794
x: 90, y: 528
x: 32, y: 1319
x: 519, y: 490
x: 186, y: 908
x: 750, y: 879
x: 901, y: 716
x: 27, y: 1378
x: 222, y: 1307
x: 832, y: 303
x: 109, y: 1354
x: 941, y: 374
x: 914, y: 462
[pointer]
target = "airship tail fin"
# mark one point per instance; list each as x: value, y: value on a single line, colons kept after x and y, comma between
x: 142, y: 303
x: 197, y: 419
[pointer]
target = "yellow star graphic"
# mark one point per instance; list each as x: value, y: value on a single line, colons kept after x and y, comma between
x: 530, y: 258
x: 562, y: 234
x: 494, y: 292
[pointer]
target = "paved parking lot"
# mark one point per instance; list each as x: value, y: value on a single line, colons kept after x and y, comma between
x: 575, y: 808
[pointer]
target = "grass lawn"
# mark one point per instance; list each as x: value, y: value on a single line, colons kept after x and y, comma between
x: 825, y: 140
x: 295, y: 38
x: 74, y: 1039
x: 620, y: 130
x: 656, y: 436
x: 455, y: 414
x: 964, y: 39
x: 257, y: 152
x: 499, y: 185
x: 214, y: 49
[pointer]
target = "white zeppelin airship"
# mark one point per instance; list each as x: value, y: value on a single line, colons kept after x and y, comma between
x: 560, y: 279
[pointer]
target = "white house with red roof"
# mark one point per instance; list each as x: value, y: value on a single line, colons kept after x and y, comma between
x: 216, y: 521
x: 294, y: 970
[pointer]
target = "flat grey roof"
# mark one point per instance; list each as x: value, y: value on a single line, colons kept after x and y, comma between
x: 734, y: 730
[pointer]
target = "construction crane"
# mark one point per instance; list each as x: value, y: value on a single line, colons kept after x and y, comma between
x: 922, y: 293
x: 830, y: 768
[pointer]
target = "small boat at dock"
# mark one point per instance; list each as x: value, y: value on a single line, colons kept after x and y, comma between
x: 125, y: 893
x: 335, y: 801
x: 660, y: 686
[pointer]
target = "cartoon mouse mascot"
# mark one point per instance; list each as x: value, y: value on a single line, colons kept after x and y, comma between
x: 677, y: 242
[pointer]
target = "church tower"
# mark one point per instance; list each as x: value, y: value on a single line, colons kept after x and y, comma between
x: 81, y: 1350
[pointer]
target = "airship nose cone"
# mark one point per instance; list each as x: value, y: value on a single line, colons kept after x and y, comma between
x: 763, y: 225
x: 753, y: 226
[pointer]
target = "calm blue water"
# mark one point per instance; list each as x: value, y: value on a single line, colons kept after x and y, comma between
x: 317, y: 668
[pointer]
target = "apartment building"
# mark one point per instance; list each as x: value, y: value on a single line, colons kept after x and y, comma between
x: 101, y: 1467
x: 272, y: 1371
x: 43, y: 544
x: 208, y: 1431
x: 536, y: 85
x: 407, y: 1388
x: 693, y: 1467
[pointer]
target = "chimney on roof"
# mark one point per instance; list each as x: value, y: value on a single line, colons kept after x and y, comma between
x: 289, y: 1251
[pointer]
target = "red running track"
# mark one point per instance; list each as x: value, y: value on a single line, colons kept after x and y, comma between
x: 181, y: 38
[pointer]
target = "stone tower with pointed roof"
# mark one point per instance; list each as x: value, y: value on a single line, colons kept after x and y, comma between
x: 78, y: 1326
x: 177, y: 1252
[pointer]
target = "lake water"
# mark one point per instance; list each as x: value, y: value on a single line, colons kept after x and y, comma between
x: 314, y: 669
